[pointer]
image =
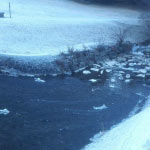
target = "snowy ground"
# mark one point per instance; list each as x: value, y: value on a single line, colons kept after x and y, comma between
x: 41, y: 27
x: 131, y: 134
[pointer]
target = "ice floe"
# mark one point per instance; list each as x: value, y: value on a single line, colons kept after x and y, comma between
x: 94, y: 69
x: 141, y: 75
x: 39, y: 80
x: 128, y: 76
x: 127, y: 80
x: 86, y: 72
x: 93, y: 80
x: 108, y: 70
x: 100, y: 107
x: 143, y: 70
x: 113, y: 80
x: 4, y: 111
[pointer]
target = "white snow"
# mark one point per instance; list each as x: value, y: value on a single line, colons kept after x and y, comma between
x: 100, y: 107
x: 113, y: 80
x: 93, y: 80
x: 111, y: 63
x: 86, y: 72
x: 108, y: 70
x: 127, y: 80
x: 147, y: 68
x: 102, y: 71
x: 42, y: 27
x: 96, y: 65
x: 141, y: 75
x: 132, y: 64
x: 131, y: 134
x: 80, y: 69
x: 128, y: 76
x: 122, y: 72
x: 39, y: 80
x: 94, y: 69
x: 111, y: 85
x: 143, y: 70
x: 4, y: 111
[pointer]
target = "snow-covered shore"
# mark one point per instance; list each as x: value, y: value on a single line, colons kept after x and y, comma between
x: 131, y: 134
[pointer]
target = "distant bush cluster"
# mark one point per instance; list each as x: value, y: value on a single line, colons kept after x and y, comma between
x: 69, y: 63
x: 127, y: 2
x: 145, y: 20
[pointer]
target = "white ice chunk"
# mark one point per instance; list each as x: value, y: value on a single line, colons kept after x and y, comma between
x: 80, y: 69
x: 100, y: 107
x: 128, y: 76
x: 143, y: 70
x: 127, y: 80
x: 132, y: 64
x: 108, y: 70
x: 102, y: 71
x: 86, y: 72
x: 94, y: 69
x: 4, y: 111
x: 141, y: 75
x: 111, y: 63
x: 96, y: 65
x: 147, y: 68
x: 93, y: 80
x: 121, y: 77
x: 39, y: 80
x: 122, y: 72
x: 112, y: 85
x: 113, y: 80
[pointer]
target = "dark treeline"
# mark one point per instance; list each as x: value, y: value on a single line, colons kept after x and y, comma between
x: 124, y: 2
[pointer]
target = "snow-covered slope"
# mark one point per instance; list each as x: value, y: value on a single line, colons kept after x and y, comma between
x: 49, y: 26
x: 131, y: 134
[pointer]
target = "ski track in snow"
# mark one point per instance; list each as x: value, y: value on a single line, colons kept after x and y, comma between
x: 40, y: 27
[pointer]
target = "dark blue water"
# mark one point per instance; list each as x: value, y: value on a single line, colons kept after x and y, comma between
x: 59, y: 114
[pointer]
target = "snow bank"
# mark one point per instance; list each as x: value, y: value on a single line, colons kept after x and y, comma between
x: 131, y: 134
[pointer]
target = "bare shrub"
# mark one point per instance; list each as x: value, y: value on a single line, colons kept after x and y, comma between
x: 61, y: 65
x: 121, y: 46
x: 120, y: 35
x: 71, y: 51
